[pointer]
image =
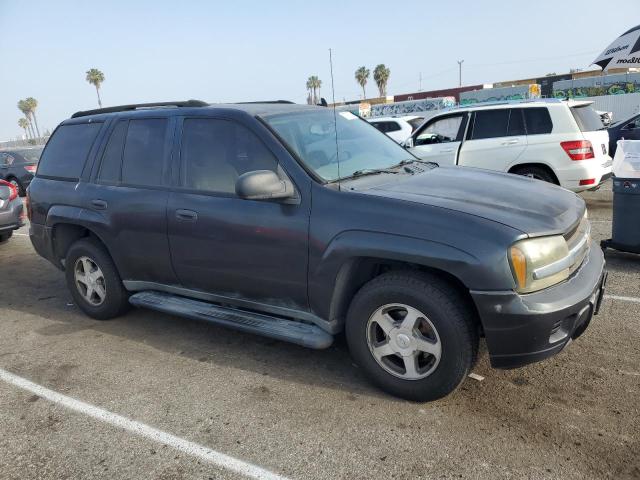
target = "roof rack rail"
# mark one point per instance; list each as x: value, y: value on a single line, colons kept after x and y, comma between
x: 136, y: 106
x: 266, y: 101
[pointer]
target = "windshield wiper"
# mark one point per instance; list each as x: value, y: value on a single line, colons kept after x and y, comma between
x: 412, y: 160
x: 370, y: 171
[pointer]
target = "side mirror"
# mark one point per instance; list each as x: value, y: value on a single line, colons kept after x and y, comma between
x: 408, y: 143
x: 264, y: 185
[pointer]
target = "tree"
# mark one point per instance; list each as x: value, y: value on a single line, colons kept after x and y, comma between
x: 381, y: 76
x: 95, y: 77
x: 23, y: 123
x: 362, y: 75
x: 32, y: 104
x: 314, y: 84
x: 24, y: 107
x: 310, y: 91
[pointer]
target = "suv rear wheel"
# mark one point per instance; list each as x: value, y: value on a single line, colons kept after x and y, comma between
x: 538, y: 173
x: 412, y: 334
x: 94, y: 281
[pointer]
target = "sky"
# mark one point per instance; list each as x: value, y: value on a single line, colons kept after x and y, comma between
x: 245, y: 50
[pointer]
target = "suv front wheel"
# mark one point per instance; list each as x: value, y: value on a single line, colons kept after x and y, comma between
x: 93, y: 280
x: 412, y: 334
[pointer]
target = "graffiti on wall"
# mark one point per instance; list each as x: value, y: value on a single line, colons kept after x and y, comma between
x: 617, y: 88
x: 411, y: 106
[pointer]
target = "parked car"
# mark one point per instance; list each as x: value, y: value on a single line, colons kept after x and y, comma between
x: 18, y: 166
x: 250, y: 216
x: 556, y: 141
x: 10, y: 210
x: 629, y: 129
x: 398, y: 128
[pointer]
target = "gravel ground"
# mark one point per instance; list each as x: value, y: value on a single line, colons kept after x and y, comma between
x: 301, y: 413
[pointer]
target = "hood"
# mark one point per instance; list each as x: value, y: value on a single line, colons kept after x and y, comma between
x: 531, y: 206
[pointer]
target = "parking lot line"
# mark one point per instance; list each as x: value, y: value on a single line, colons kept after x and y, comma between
x: 624, y: 299
x: 142, y: 430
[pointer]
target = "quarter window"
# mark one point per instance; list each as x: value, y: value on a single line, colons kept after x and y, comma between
x: 538, y: 120
x: 144, y: 148
x: 215, y: 153
x: 516, y: 123
x: 67, y: 150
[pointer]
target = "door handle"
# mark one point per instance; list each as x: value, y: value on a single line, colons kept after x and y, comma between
x: 447, y: 150
x: 186, y: 215
x: 511, y: 142
x: 99, y: 204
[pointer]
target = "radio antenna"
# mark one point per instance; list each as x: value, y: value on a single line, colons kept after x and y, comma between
x: 335, y: 121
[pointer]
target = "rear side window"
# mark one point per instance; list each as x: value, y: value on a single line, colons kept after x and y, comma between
x: 393, y: 126
x: 490, y: 124
x: 538, y: 120
x: 587, y: 118
x: 143, y: 157
x: 67, y: 150
x: 112, y: 156
x: 516, y: 123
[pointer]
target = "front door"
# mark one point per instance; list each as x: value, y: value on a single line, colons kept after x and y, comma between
x: 439, y: 139
x: 246, y: 250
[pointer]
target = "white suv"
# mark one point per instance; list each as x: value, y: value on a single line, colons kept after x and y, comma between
x: 562, y: 142
x: 398, y: 128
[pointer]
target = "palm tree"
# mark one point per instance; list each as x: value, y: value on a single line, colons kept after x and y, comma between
x: 381, y: 76
x: 23, y: 123
x: 32, y: 104
x: 310, y: 90
x: 313, y: 84
x: 95, y: 77
x: 24, y: 107
x: 362, y: 75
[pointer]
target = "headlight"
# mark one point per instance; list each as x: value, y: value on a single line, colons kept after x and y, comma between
x: 538, y: 263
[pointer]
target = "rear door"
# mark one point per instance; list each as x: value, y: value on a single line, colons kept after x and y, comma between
x: 223, y: 245
x: 439, y: 139
x: 496, y: 138
x: 127, y: 199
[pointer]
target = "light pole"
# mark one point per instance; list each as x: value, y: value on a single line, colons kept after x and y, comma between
x: 460, y: 62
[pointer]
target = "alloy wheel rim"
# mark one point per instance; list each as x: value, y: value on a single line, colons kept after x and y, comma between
x: 403, y: 341
x: 90, y: 281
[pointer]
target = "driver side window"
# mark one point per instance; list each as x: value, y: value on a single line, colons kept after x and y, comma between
x: 443, y: 130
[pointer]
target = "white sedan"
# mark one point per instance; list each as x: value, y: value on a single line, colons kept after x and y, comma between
x: 398, y: 128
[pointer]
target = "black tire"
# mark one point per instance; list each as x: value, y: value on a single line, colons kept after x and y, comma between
x: 5, y: 237
x: 538, y: 173
x: 445, y: 308
x: 116, y: 301
x: 14, y: 181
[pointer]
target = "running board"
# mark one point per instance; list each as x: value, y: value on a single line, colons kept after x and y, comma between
x: 268, y: 326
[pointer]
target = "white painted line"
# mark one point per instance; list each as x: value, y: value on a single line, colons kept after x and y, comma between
x: 21, y: 234
x: 142, y: 430
x: 475, y: 376
x: 624, y: 299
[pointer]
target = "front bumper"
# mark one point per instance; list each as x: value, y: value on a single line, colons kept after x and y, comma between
x: 522, y: 329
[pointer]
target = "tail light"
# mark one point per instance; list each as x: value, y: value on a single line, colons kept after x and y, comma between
x: 31, y: 169
x: 14, y: 191
x: 578, y: 149
x: 588, y: 181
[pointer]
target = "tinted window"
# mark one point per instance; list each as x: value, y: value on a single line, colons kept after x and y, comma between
x: 112, y: 156
x: 216, y: 152
x: 415, y: 123
x: 382, y: 126
x: 538, y: 120
x: 31, y: 154
x: 516, y: 123
x: 490, y: 124
x: 587, y: 118
x: 393, y: 127
x: 67, y: 150
x: 144, y: 151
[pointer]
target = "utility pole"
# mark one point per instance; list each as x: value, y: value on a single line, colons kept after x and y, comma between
x: 460, y: 62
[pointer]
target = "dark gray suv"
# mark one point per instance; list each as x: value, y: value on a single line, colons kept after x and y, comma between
x: 298, y: 223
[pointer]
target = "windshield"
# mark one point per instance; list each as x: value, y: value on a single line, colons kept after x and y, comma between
x: 30, y: 155
x: 311, y: 134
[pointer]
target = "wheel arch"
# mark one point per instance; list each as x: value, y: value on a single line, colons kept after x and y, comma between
x: 520, y: 166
